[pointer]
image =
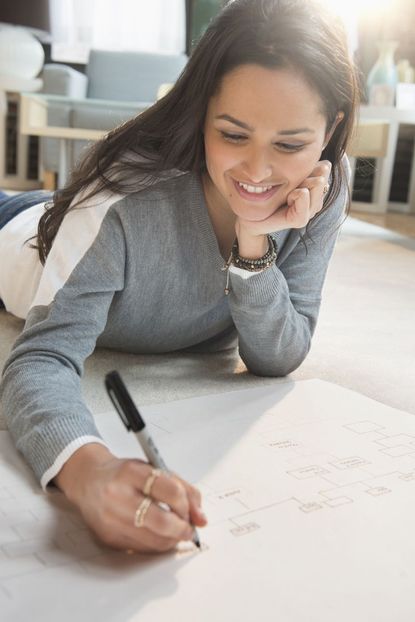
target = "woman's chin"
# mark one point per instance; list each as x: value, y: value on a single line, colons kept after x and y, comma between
x: 254, y: 214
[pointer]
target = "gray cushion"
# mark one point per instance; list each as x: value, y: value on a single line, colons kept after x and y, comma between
x: 101, y: 117
x: 60, y: 79
x: 131, y: 76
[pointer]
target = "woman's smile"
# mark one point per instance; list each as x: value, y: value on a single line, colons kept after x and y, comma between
x: 257, y: 193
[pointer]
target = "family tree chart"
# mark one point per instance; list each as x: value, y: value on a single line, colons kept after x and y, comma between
x: 309, y: 490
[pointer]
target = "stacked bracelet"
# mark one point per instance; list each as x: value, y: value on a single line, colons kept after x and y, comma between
x: 255, y: 265
x: 252, y: 265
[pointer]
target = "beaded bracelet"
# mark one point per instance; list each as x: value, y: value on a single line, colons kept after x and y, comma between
x: 255, y: 265
x: 252, y: 265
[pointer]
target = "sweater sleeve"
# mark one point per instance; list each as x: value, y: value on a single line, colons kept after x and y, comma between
x: 275, y: 311
x: 40, y: 391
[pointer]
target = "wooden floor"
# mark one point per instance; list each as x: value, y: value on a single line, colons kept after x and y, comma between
x: 401, y: 223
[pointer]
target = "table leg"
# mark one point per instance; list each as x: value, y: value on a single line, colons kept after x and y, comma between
x: 63, y: 162
x: 3, y: 113
x: 383, y: 177
x: 411, y: 190
x: 352, y: 162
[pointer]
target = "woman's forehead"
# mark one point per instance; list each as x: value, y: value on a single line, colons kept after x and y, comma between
x: 252, y: 92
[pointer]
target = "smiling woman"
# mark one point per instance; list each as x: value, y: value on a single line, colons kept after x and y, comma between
x: 206, y: 222
x: 265, y: 130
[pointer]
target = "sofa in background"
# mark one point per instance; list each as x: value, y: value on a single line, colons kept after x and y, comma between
x: 116, y: 87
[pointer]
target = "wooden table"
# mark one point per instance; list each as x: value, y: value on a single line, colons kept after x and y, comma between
x: 34, y: 122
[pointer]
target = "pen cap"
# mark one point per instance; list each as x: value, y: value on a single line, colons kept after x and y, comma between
x: 123, y: 402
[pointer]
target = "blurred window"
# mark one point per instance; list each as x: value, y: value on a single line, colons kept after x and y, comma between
x: 135, y: 25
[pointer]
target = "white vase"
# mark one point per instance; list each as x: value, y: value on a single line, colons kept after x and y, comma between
x: 383, y: 77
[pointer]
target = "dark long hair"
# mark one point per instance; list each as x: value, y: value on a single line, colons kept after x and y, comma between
x: 298, y: 34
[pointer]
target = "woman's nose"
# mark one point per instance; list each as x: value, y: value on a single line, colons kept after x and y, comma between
x: 258, y: 166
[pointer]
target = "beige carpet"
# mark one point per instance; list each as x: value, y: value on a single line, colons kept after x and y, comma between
x: 365, y: 338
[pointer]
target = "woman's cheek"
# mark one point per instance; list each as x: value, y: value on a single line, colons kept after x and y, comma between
x: 303, y: 167
x: 217, y: 158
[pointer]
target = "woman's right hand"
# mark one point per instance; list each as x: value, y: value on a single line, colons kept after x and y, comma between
x: 108, y: 490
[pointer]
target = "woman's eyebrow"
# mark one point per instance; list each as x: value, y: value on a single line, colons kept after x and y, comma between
x: 299, y: 130
x: 227, y: 117
x: 245, y: 126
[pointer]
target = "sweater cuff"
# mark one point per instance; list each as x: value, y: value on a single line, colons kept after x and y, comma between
x: 257, y: 288
x: 50, y: 445
x: 64, y: 456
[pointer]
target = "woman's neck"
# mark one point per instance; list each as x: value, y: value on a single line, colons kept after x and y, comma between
x: 221, y: 216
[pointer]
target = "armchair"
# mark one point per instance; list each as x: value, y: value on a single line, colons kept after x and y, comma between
x: 117, y: 86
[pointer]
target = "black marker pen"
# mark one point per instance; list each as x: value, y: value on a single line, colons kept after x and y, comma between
x: 134, y: 422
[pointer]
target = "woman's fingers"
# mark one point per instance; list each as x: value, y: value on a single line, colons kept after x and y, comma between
x: 156, y: 519
x: 322, y: 169
x: 111, y: 504
x: 182, y: 498
x: 160, y: 529
x: 197, y: 516
x: 307, y: 200
x: 170, y: 490
x: 166, y: 488
x: 148, y: 542
x: 317, y: 187
x: 177, y: 493
x: 317, y: 183
x: 163, y: 522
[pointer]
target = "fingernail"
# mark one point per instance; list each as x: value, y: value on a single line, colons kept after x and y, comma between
x: 201, y: 514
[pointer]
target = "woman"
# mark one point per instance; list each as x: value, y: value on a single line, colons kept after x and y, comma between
x: 241, y: 166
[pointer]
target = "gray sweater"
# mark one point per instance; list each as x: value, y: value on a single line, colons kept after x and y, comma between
x: 143, y: 274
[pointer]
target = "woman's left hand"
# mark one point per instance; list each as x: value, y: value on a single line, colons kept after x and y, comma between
x: 303, y: 203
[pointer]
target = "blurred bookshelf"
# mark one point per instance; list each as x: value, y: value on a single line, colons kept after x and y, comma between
x: 399, y: 196
x: 19, y: 156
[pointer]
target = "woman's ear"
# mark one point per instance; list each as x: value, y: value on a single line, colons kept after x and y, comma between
x: 330, y: 132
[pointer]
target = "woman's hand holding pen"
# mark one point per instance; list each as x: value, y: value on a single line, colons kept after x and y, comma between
x: 107, y: 491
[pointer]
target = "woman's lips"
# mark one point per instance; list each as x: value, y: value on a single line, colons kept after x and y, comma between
x: 250, y: 196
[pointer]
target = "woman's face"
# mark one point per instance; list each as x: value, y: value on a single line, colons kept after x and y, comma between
x: 265, y: 129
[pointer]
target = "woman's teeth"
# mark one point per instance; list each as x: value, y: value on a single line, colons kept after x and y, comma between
x: 255, y: 189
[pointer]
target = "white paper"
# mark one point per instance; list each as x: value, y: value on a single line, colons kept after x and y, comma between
x: 310, y: 494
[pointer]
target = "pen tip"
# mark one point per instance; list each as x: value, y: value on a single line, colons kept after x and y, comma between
x: 196, y: 540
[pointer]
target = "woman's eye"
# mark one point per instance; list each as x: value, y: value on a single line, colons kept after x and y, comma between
x: 237, y: 138
x: 233, y: 138
x: 288, y: 147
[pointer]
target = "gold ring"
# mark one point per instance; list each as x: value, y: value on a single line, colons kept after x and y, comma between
x: 150, y: 481
x: 326, y: 188
x: 141, y: 511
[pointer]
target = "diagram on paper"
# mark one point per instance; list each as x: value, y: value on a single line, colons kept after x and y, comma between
x: 310, y: 477
x: 295, y: 452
